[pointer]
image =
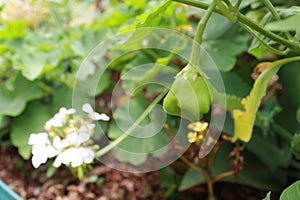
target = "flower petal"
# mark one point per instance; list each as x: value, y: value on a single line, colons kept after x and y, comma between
x: 83, y: 137
x: 87, y: 154
x: 87, y: 108
x: 51, y: 152
x: 77, y: 161
x: 73, y: 138
x: 38, y: 159
x: 59, y: 143
x: 96, y: 116
x: 39, y: 138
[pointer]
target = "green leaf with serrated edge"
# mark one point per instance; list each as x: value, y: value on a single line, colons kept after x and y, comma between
x: 295, y: 145
x: 292, y: 192
x: 234, y: 85
x: 12, y: 103
x: 190, y: 179
x: 32, y: 120
x: 244, y: 119
x: 152, y: 20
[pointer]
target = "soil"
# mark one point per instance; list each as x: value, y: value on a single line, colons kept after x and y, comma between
x: 33, y: 184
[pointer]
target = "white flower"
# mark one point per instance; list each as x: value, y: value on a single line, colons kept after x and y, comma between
x: 87, y: 128
x: 41, y: 149
x: 75, y: 157
x: 60, y: 118
x: 38, y: 159
x: 59, y: 143
x: 38, y: 138
x: 77, y: 139
x: 94, y: 115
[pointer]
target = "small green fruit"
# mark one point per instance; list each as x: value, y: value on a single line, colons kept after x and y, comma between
x: 188, y: 96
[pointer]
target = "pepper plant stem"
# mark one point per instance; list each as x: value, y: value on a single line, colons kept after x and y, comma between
x: 120, y: 139
x: 269, y: 4
x: 194, y: 59
x: 294, y: 46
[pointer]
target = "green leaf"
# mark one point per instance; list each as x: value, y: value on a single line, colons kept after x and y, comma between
x: 62, y: 98
x: 168, y: 179
x: 12, y: 103
x: 114, y: 16
x: 140, y: 142
x: 244, y: 119
x: 234, y: 85
x: 292, y: 192
x: 233, y: 103
x: 190, y: 179
x: 89, y: 40
x: 258, y: 50
x: 257, y: 175
x: 15, y: 29
x: 288, y: 24
x: 31, y: 64
x: 264, y: 118
x: 136, y: 4
x: 290, y: 79
x: 32, y: 120
x: 224, y: 48
x: 298, y: 115
x: 136, y: 78
x: 50, y: 171
x: 268, y: 197
x: 264, y: 146
x: 295, y: 145
x: 152, y: 19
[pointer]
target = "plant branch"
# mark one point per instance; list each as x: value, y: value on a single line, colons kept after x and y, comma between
x: 195, y: 167
x: 269, y: 4
x: 222, y: 175
x: 269, y: 47
x: 282, y: 132
x: 194, y: 59
x: 120, y: 139
x: 293, y: 45
x: 208, y: 178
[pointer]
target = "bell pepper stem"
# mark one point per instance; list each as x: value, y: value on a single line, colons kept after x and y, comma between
x: 195, y: 55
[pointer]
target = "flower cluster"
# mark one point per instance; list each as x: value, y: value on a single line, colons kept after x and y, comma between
x: 198, y: 131
x: 66, y: 137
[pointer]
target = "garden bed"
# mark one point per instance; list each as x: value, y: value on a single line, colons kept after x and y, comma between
x: 33, y: 184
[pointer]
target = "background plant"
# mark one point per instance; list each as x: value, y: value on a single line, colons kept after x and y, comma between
x: 40, y: 58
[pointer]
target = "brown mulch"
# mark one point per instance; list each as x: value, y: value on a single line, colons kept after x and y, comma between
x: 32, y: 184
